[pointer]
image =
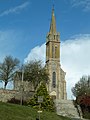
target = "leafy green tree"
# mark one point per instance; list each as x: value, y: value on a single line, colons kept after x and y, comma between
x: 82, y: 93
x: 8, y: 68
x: 82, y: 87
x: 35, y: 72
x: 47, y: 103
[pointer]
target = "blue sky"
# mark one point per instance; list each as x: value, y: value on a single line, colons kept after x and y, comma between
x: 25, y: 23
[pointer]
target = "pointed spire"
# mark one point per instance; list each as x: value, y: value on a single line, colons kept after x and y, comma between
x: 53, y: 23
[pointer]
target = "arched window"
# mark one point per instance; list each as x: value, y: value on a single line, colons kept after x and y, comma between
x: 54, y: 79
x: 55, y: 51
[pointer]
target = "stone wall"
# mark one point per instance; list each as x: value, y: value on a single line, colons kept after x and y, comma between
x: 6, y: 95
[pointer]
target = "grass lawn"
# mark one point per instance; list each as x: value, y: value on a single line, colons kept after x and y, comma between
x: 87, y: 115
x: 17, y: 112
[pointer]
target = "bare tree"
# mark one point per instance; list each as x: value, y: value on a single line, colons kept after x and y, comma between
x: 8, y: 68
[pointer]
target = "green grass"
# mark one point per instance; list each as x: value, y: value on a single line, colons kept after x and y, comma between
x: 87, y: 115
x: 17, y: 112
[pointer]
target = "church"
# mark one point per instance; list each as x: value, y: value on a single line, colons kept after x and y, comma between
x: 57, y: 83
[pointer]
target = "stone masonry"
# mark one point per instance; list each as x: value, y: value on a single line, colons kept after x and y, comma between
x: 6, y: 95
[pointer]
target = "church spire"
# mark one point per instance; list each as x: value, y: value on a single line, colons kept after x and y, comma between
x: 53, y: 23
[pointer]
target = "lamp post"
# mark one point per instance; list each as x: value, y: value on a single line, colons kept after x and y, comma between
x: 22, y: 76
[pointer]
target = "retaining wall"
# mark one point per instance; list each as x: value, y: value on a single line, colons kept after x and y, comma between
x: 6, y: 95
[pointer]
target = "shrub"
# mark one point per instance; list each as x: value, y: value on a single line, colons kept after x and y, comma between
x: 16, y: 101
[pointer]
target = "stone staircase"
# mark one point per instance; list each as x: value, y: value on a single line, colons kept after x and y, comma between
x: 66, y: 108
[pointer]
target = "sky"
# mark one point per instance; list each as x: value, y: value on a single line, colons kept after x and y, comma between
x: 24, y: 25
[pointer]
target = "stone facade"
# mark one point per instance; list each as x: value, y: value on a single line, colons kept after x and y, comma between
x: 18, y: 83
x: 57, y: 83
x: 6, y: 95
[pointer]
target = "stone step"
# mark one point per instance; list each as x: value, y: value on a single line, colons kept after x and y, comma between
x: 66, y: 108
x: 64, y: 101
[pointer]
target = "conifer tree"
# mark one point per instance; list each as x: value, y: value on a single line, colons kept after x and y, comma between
x: 47, y: 103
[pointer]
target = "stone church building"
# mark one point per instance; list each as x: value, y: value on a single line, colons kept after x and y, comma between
x: 57, y: 84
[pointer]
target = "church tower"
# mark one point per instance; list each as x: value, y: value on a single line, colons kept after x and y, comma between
x: 57, y: 84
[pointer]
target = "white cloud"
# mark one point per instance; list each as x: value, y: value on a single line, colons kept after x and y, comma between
x: 37, y: 53
x: 75, y: 58
x: 85, y: 4
x: 15, y: 9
